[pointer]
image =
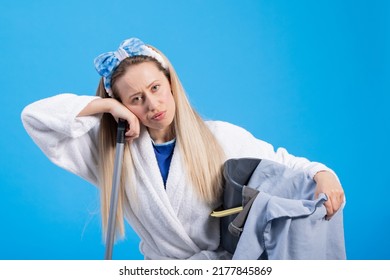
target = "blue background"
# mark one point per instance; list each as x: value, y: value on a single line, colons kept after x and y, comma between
x: 310, y: 76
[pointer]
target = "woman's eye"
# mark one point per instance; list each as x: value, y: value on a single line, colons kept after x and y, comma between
x: 136, y: 100
x: 155, y: 88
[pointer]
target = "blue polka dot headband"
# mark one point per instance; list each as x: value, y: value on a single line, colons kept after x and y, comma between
x: 106, y: 63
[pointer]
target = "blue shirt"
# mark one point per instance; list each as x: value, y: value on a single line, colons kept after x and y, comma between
x: 164, y: 153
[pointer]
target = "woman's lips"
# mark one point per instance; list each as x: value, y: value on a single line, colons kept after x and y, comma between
x: 159, y: 116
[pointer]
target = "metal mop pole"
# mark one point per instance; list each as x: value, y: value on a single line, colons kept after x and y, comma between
x: 120, y: 144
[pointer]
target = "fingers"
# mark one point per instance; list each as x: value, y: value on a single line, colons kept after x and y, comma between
x: 329, y: 210
x: 119, y: 111
x: 328, y: 184
x: 133, y: 127
x: 133, y: 130
x: 333, y: 204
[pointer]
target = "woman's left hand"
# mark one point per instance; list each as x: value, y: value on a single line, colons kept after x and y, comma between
x: 328, y: 184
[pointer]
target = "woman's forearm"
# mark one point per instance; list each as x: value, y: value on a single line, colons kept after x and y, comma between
x: 98, y: 106
x: 117, y: 110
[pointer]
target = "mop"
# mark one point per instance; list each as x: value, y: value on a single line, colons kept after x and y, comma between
x: 120, y: 145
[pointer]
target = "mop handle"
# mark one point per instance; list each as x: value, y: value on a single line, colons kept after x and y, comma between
x: 120, y: 144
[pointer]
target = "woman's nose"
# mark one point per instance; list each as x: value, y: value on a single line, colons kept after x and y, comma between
x: 151, y: 102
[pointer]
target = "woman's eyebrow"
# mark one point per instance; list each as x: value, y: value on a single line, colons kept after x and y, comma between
x: 148, y: 86
x: 135, y: 93
x: 152, y: 83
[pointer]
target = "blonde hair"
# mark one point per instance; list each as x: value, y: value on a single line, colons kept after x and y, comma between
x: 202, y: 154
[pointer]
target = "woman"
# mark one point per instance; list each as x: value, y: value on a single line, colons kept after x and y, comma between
x: 173, y: 159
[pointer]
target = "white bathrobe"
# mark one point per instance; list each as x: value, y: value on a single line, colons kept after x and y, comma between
x: 172, y: 223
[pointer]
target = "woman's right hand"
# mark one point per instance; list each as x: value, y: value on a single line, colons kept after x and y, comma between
x: 118, y: 111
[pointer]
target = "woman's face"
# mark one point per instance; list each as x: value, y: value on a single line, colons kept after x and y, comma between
x: 146, y: 92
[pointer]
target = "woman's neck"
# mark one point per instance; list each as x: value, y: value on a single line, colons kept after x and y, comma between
x: 162, y: 135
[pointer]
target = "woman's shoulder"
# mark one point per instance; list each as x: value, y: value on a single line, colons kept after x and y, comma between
x: 223, y: 127
x: 229, y: 134
x: 232, y: 138
x: 237, y: 141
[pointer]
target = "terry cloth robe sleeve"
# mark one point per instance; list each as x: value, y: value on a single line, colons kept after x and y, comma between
x: 238, y: 143
x: 67, y: 140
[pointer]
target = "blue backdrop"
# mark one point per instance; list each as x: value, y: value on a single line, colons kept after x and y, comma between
x: 310, y: 76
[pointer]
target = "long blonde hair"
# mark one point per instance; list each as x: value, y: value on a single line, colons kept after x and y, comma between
x: 202, y: 154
